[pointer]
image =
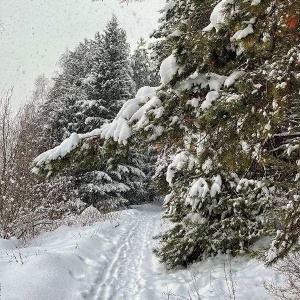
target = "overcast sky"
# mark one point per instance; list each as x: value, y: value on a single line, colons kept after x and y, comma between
x: 35, y: 33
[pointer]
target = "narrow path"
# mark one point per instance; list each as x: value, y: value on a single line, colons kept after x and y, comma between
x: 113, y: 260
x: 124, y: 277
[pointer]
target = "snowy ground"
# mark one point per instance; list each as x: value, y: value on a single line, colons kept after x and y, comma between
x: 113, y: 260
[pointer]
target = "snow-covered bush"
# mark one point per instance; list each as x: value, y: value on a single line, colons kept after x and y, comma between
x: 89, y: 216
x: 219, y: 214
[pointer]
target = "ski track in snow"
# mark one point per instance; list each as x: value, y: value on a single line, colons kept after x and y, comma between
x: 124, y: 276
x: 113, y: 260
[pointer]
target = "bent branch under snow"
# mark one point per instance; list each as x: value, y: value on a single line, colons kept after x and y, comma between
x: 119, y: 130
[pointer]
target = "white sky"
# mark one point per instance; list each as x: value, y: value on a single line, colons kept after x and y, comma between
x: 37, y: 32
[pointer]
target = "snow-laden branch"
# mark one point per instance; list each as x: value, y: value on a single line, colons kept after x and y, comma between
x: 134, y: 114
x: 64, y: 148
x: 134, y: 110
x: 120, y: 129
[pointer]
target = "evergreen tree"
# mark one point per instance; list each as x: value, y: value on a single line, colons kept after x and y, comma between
x: 232, y: 154
x: 115, y: 74
x: 62, y: 111
x: 141, y: 65
x: 164, y: 36
x: 226, y: 122
x: 94, y: 83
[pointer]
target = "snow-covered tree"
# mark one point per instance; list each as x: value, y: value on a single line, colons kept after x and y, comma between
x: 141, y: 65
x: 95, y: 81
x: 62, y: 110
x: 165, y: 36
x: 116, y: 69
x: 226, y: 123
x: 225, y: 136
x: 236, y: 138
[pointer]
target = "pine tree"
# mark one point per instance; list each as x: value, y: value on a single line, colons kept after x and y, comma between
x: 226, y: 126
x: 94, y: 83
x: 232, y: 156
x: 62, y: 111
x: 116, y: 73
x: 161, y: 47
x: 226, y: 122
x: 141, y: 65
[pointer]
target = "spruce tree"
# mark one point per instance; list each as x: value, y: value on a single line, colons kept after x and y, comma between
x: 161, y: 47
x: 234, y: 152
x: 116, y: 72
x: 226, y: 122
x: 141, y: 65
x: 94, y: 83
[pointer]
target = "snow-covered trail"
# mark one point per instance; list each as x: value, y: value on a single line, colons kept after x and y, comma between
x: 132, y: 262
x: 113, y: 260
